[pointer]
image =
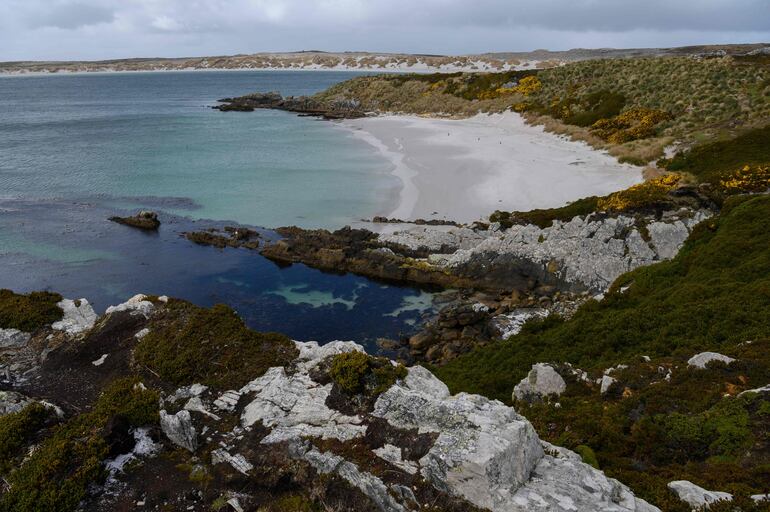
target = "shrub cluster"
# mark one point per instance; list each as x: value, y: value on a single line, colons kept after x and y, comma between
x: 28, y: 312
x: 188, y: 344
x: 747, y: 179
x: 17, y: 430
x: 636, y: 123
x: 359, y: 373
x: 55, y: 478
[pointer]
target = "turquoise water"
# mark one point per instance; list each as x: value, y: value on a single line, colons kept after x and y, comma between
x: 117, y: 137
x: 76, y: 149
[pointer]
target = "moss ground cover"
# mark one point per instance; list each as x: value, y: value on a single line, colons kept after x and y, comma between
x: 189, y: 344
x: 28, y: 312
x: 56, y: 476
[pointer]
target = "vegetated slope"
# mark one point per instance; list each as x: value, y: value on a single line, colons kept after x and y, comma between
x: 632, y: 107
x: 649, y: 429
x: 714, y: 294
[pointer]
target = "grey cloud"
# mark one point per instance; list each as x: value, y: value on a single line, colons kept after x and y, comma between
x: 70, y: 16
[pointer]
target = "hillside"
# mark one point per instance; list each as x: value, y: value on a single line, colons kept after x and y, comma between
x: 368, y: 61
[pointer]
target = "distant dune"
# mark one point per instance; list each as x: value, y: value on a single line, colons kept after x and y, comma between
x: 310, y: 60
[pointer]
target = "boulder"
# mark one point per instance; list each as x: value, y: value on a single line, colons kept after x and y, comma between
x: 541, y: 382
x: 78, y: 317
x: 11, y: 402
x: 179, y: 429
x: 696, y: 496
x: 704, y: 358
x: 137, y: 305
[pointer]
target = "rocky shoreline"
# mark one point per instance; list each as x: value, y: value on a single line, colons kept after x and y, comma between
x: 321, y: 424
x: 302, y: 105
x: 503, y: 276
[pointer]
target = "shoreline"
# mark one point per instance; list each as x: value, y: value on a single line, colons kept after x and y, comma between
x: 464, y: 169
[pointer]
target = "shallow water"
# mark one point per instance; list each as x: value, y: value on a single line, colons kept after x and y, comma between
x: 152, y: 134
x: 75, y: 150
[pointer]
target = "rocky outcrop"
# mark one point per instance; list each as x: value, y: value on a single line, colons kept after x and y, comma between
x: 230, y: 236
x: 704, y: 358
x: 462, y: 448
x: 301, y: 105
x: 542, y: 382
x: 78, y: 317
x: 145, y: 219
x: 136, y: 305
x: 696, y: 496
x: 585, y: 253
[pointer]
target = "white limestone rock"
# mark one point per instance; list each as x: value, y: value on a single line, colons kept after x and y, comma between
x: 179, y: 429
x: 510, y: 324
x: 13, y: 338
x: 541, y: 382
x: 137, y: 305
x: 696, y: 496
x: 294, y: 406
x: 237, y: 461
x: 370, y: 485
x: 585, y: 252
x: 484, y: 450
x: 311, y: 353
x: 605, y: 383
x: 704, y: 358
x: 392, y: 454
x: 78, y: 317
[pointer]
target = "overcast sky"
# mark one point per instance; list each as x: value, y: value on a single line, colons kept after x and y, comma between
x: 101, y: 29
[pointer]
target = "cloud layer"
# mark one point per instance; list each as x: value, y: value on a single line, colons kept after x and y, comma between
x: 96, y: 29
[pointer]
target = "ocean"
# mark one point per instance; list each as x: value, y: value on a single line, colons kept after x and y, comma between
x: 75, y: 149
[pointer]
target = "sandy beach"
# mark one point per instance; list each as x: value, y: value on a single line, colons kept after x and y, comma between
x: 465, y: 169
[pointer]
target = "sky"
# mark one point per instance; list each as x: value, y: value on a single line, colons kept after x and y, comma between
x: 106, y: 29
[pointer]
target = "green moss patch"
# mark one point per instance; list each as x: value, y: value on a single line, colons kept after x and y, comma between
x: 28, y: 312
x: 56, y: 476
x: 188, y: 344
x: 358, y: 373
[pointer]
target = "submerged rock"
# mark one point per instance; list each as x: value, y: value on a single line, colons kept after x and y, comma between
x: 145, y: 219
x: 696, y: 496
x: 542, y: 382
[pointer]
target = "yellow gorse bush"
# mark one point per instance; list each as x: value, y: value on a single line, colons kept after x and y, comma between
x: 748, y: 179
x: 526, y: 86
x: 643, y: 194
x: 633, y: 124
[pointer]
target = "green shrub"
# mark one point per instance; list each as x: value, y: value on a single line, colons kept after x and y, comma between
x: 17, y: 430
x: 56, y: 476
x: 588, y: 455
x: 358, y: 373
x: 711, y: 162
x: 189, y: 344
x: 28, y: 312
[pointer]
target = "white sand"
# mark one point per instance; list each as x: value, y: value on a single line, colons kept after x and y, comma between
x: 463, y: 170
